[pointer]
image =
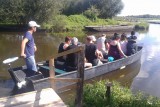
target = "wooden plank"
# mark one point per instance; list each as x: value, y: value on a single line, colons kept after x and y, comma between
x: 60, y: 71
x: 59, y: 90
x: 45, y: 97
x: 66, y: 79
x: 79, y: 48
x: 56, y: 70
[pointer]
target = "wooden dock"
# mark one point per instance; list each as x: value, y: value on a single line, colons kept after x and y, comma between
x: 42, y: 98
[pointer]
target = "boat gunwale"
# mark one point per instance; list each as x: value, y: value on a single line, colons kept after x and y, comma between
x: 105, y: 64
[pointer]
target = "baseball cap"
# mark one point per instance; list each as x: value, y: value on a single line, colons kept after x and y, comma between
x: 32, y: 24
x: 93, y: 38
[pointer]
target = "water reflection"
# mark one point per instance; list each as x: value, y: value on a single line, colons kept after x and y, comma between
x: 148, y: 79
x: 124, y: 76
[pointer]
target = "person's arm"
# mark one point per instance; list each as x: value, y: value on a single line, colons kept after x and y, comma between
x: 136, y: 47
x: 23, y: 45
x: 107, y: 46
x: 35, y: 47
x: 99, y: 54
x: 65, y: 46
x: 120, y: 50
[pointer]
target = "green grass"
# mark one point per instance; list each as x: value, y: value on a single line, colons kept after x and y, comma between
x: 95, y: 96
x: 142, y: 25
x: 77, y: 22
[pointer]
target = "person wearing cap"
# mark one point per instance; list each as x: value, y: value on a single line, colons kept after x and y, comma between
x: 93, y: 38
x: 115, y: 50
x: 92, y: 54
x: 28, y: 48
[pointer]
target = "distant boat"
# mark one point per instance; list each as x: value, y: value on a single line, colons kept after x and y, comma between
x: 154, y: 21
x: 38, y: 82
x: 110, y: 28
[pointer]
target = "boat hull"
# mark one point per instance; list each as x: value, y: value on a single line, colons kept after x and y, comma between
x: 109, y: 28
x: 89, y: 72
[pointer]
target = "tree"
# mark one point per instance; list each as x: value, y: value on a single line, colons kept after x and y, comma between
x: 11, y: 10
x: 108, y: 8
x: 92, y: 13
x: 21, y: 11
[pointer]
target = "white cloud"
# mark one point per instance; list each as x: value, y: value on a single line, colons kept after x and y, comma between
x: 140, y: 7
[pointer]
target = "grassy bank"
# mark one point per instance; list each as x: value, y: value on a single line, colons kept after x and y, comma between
x: 62, y: 23
x: 72, y: 23
x: 77, y: 22
x: 141, y: 26
x: 95, y: 96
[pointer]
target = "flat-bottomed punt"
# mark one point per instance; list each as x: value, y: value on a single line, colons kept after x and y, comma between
x: 110, y: 28
x: 38, y: 82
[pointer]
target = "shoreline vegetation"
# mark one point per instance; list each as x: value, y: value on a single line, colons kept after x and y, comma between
x: 76, y: 23
x: 95, y: 96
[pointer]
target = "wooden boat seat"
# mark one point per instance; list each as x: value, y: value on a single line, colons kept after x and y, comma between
x: 56, y: 70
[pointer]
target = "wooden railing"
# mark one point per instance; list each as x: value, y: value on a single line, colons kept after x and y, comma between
x: 80, y: 73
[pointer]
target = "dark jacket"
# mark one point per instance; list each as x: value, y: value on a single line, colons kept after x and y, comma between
x: 72, y: 59
x: 131, y: 47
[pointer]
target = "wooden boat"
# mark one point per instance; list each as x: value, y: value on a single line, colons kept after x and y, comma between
x: 110, y: 28
x: 38, y: 82
x: 154, y: 21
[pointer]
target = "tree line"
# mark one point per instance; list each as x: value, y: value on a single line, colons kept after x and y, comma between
x: 43, y: 11
x: 145, y: 16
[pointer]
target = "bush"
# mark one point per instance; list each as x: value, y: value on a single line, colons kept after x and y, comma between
x: 92, y: 13
x: 95, y: 96
x: 57, y: 24
x: 76, y: 22
x: 141, y: 26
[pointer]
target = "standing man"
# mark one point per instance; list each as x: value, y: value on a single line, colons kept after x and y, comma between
x: 28, y: 48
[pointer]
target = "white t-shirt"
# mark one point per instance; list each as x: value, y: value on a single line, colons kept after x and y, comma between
x: 124, y: 46
x: 101, y: 45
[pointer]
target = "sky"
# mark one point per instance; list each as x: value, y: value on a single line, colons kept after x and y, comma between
x: 140, y: 7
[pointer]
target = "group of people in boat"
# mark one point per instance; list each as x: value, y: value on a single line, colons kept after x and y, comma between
x: 97, y: 51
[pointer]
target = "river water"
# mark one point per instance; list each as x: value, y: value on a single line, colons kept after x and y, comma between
x: 143, y: 75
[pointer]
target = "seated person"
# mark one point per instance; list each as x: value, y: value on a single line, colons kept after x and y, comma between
x: 115, y: 50
x: 132, y: 45
x: 62, y: 47
x: 93, y: 38
x: 101, y: 45
x: 123, y: 43
x: 72, y: 59
x: 87, y: 64
x: 91, y: 53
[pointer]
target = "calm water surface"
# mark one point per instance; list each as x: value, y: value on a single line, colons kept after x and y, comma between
x: 142, y: 75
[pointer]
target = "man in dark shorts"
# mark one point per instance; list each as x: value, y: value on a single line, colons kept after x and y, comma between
x: 28, y: 48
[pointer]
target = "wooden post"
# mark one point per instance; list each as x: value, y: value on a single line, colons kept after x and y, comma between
x: 80, y: 74
x: 52, y: 72
x: 108, y: 92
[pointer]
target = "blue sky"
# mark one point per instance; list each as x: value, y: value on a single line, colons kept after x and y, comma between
x: 140, y: 7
